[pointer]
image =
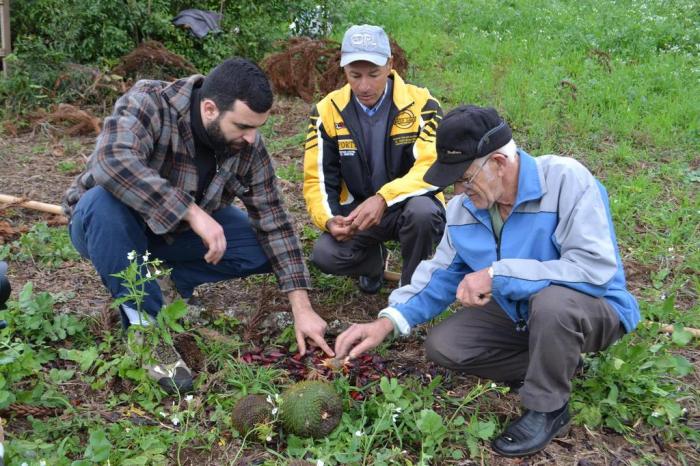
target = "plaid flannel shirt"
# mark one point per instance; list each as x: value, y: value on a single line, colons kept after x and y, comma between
x: 145, y: 158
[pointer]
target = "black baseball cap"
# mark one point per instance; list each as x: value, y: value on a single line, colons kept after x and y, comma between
x: 465, y: 134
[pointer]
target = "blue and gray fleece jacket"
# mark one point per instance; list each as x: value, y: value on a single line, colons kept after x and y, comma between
x: 559, y: 233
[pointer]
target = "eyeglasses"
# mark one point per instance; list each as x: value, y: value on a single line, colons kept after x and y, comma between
x: 470, y: 181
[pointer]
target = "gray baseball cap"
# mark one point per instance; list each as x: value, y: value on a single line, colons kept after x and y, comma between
x: 365, y: 43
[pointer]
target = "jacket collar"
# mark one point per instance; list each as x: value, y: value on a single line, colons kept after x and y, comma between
x: 179, y: 94
x: 530, y: 180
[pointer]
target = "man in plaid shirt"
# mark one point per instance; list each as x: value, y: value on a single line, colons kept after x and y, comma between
x: 168, y: 164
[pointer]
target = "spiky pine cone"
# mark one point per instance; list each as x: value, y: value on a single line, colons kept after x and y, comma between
x: 250, y: 411
x: 311, y: 409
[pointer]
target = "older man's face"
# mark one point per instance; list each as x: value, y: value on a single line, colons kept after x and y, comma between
x: 481, y: 183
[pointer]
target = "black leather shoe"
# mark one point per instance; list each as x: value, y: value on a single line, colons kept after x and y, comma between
x: 370, y: 285
x: 532, y: 432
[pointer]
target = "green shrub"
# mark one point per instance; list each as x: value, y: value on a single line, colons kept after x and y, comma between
x: 54, y: 39
x: 95, y: 31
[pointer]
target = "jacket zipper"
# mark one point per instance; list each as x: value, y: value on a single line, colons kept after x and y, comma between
x: 358, y: 141
x: 521, y: 323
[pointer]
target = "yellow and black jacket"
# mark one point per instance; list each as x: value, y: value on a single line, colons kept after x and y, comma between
x: 336, y: 171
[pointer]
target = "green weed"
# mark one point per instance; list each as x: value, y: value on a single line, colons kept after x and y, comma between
x: 42, y: 245
x: 291, y: 173
x: 637, y: 379
x: 68, y: 166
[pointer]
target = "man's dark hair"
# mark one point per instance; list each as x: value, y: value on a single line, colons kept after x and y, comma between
x: 238, y: 79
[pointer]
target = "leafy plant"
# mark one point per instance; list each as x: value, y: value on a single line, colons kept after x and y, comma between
x: 634, y: 380
x: 399, y: 415
x: 43, y: 245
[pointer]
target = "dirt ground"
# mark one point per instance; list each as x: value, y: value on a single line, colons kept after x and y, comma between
x: 38, y: 166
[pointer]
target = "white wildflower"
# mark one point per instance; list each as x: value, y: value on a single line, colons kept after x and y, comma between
x: 268, y: 438
x: 146, y: 256
x: 398, y: 410
x: 175, y: 420
x: 319, y: 462
x: 656, y: 414
x: 269, y: 399
x: 394, y: 417
x: 162, y: 414
x: 148, y: 274
x: 42, y: 463
x: 493, y: 385
x: 189, y: 398
x: 274, y: 411
x: 158, y: 271
x: 131, y: 256
x: 359, y: 433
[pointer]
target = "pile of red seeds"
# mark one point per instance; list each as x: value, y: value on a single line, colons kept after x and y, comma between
x: 316, y: 365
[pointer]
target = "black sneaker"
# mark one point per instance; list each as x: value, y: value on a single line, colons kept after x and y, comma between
x: 532, y: 432
x: 370, y: 285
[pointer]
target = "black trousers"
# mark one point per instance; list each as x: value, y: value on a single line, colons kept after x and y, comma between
x: 563, y: 323
x: 417, y: 225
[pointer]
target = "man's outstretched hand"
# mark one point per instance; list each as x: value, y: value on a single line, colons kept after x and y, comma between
x: 360, y: 338
x: 307, y: 324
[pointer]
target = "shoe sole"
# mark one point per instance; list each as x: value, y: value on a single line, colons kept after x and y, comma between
x: 562, y: 432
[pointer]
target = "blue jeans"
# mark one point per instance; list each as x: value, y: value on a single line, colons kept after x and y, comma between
x: 104, y: 230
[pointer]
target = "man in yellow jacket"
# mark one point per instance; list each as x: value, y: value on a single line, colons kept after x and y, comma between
x: 368, y: 147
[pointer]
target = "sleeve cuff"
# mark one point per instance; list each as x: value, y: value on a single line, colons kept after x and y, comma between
x: 401, y: 325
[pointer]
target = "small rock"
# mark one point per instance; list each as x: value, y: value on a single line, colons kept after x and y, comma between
x: 336, y: 327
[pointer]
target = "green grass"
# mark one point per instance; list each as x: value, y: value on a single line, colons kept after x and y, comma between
x: 613, y: 84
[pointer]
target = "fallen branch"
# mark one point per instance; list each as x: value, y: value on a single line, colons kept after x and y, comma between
x: 669, y: 329
x: 391, y: 276
x: 40, y: 206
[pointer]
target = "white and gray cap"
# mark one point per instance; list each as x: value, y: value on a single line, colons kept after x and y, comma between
x: 365, y: 43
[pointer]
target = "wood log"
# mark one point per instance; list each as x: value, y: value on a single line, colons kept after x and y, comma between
x: 34, y: 205
x: 669, y: 329
x: 391, y: 276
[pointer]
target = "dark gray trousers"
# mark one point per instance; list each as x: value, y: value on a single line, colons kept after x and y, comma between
x: 563, y: 323
x: 417, y: 225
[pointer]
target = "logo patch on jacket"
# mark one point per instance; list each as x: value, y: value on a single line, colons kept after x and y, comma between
x: 405, y: 119
x: 339, y: 125
x: 347, y: 145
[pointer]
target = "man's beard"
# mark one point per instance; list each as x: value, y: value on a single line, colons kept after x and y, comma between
x: 218, y: 140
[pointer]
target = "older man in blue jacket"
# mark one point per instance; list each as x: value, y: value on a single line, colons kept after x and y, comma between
x: 530, y: 252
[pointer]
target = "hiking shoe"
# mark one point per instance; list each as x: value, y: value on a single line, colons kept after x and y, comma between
x: 169, y: 370
x: 167, y: 367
